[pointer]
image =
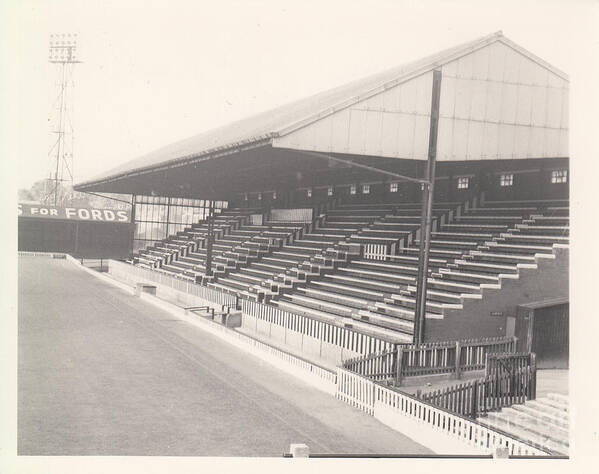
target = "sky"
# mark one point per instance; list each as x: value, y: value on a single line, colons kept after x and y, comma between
x: 154, y: 72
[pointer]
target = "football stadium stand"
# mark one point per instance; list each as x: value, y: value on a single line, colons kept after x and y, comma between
x: 319, y: 221
x: 324, y: 230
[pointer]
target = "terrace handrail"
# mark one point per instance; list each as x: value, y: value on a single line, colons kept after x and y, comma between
x: 477, y: 397
x: 443, y: 357
x: 509, y: 362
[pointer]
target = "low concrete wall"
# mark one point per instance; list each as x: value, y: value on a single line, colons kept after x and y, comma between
x: 309, y: 346
x: 180, y: 298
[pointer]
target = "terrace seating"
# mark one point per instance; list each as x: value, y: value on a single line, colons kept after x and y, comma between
x: 386, y: 224
x: 472, y: 252
x: 183, y: 254
x: 319, y: 270
x: 392, y: 226
x: 275, y: 250
x: 309, y: 245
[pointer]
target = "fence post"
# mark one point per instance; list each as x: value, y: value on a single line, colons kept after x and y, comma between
x: 474, y: 399
x: 398, y: 366
x: 533, y: 376
x: 458, y: 367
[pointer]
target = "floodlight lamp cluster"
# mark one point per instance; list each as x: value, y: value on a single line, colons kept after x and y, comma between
x: 63, y: 48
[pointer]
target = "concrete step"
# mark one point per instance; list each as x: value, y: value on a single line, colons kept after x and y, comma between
x: 554, y: 404
x: 396, y: 278
x: 233, y: 284
x: 519, y: 249
x: 541, y: 404
x: 349, y: 290
x: 465, y: 227
x: 548, y: 417
x: 363, y: 283
x: 559, y: 397
x: 532, y: 423
x: 353, y: 302
x: 486, y: 267
x: 526, y: 435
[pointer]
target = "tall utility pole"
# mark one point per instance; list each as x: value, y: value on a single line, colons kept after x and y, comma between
x: 63, y: 54
x: 426, y: 219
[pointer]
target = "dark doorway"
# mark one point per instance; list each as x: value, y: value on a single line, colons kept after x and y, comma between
x: 543, y: 328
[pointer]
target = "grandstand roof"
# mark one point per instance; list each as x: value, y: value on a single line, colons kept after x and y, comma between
x: 258, y: 132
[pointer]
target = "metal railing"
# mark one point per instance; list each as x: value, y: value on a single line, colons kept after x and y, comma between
x: 452, y: 357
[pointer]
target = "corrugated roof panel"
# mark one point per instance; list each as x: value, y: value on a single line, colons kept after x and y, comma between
x: 524, y: 104
x: 407, y: 127
x: 459, y: 144
x: 494, y: 100
x: 554, y: 107
x: 478, y: 100
x: 475, y: 140
x: 389, y: 135
x: 497, y: 55
x: 509, y: 102
x: 491, y: 141
x: 537, y: 142
x: 522, y: 141
x: 480, y: 64
x: 539, y: 107
x: 563, y: 143
x: 421, y: 134
x: 552, y: 137
x: 564, y: 123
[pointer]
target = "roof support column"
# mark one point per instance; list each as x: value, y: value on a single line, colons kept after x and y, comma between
x: 133, y: 221
x: 210, y: 239
x: 426, y: 220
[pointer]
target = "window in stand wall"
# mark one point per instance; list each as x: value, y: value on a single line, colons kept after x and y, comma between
x: 506, y: 180
x: 394, y: 187
x: 366, y: 189
x: 352, y: 189
x: 330, y: 191
x: 559, y: 176
x: 463, y: 182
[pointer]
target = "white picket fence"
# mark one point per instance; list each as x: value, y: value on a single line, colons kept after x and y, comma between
x: 440, y: 430
x: 355, y: 390
x: 354, y: 342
